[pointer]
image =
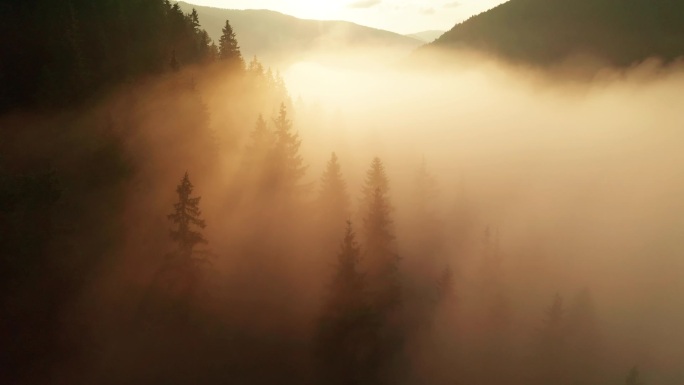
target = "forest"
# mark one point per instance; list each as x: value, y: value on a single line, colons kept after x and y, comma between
x: 172, y: 212
x: 545, y: 33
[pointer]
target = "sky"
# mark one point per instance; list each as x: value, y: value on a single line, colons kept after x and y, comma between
x: 401, y: 16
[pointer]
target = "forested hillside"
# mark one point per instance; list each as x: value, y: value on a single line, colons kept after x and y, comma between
x: 541, y: 32
x: 277, y: 38
x: 57, y: 53
x: 169, y: 215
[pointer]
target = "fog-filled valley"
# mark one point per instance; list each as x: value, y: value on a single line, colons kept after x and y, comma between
x: 202, y: 218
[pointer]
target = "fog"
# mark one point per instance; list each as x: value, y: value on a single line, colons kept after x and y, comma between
x: 581, y: 178
x: 545, y: 183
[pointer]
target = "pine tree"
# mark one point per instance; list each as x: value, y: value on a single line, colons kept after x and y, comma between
x: 333, y: 200
x: 382, y: 264
x: 213, y: 52
x: 229, y: 50
x: 493, y: 314
x: 186, y: 216
x: 342, y: 340
x: 194, y: 20
x: 257, y: 76
x: 552, y: 345
x: 633, y: 378
x: 255, y: 159
x: 376, y: 179
x: 382, y: 259
x: 261, y: 140
x: 379, y: 236
x: 204, y: 47
x: 287, y: 163
x: 255, y: 67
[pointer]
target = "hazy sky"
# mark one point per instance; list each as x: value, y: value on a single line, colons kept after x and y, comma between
x: 403, y: 16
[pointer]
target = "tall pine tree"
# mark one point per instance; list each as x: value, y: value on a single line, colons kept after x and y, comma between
x: 333, y: 201
x: 550, y: 366
x: 287, y: 164
x: 186, y: 217
x: 229, y: 49
x: 382, y: 268
x: 376, y: 179
x: 345, y: 328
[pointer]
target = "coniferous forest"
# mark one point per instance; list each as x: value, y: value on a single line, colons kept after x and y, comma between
x: 170, y: 213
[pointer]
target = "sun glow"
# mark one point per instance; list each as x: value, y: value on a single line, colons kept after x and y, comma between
x: 317, y: 9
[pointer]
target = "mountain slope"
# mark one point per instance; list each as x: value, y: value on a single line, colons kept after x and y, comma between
x: 544, y: 32
x: 276, y: 37
x: 427, y: 36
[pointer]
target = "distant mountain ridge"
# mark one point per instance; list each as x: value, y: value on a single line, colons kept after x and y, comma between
x: 427, y: 36
x: 276, y: 37
x: 546, y: 32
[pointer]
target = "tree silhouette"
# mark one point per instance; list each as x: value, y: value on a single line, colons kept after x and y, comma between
x: 258, y: 171
x: 261, y: 141
x: 287, y: 163
x: 343, y: 337
x: 229, y: 50
x: 494, y: 314
x: 381, y: 256
x: 552, y: 347
x: 382, y: 268
x: 333, y: 200
x: 634, y: 378
x: 186, y: 216
x: 376, y: 179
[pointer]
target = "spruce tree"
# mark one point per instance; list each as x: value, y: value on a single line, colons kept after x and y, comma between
x: 256, y: 166
x: 381, y: 256
x: 379, y: 236
x: 287, y: 163
x: 495, y: 315
x: 382, y: 264
x: 260, y: 140
x: 633, y: 378
x: 229, y: 50
x: 194, y: 20
x: 376, y: 179
x: 333, y: 200
x: 342, y: 341
x: 255, y: 67
x: 186, y: 217
x: 551, y: 356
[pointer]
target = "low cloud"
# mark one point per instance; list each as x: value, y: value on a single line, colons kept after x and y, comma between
x: 364, y: 4
x: 427, y: 11
x: 453, y: 4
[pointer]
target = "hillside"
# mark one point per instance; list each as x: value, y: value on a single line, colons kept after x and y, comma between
x: 426, y: 36
x: 276, y: 37
x: 543, y: 32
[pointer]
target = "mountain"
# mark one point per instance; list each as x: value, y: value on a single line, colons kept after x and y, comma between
x: 547, y: 32
x: 275, y: 37
x: 426, y: 36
